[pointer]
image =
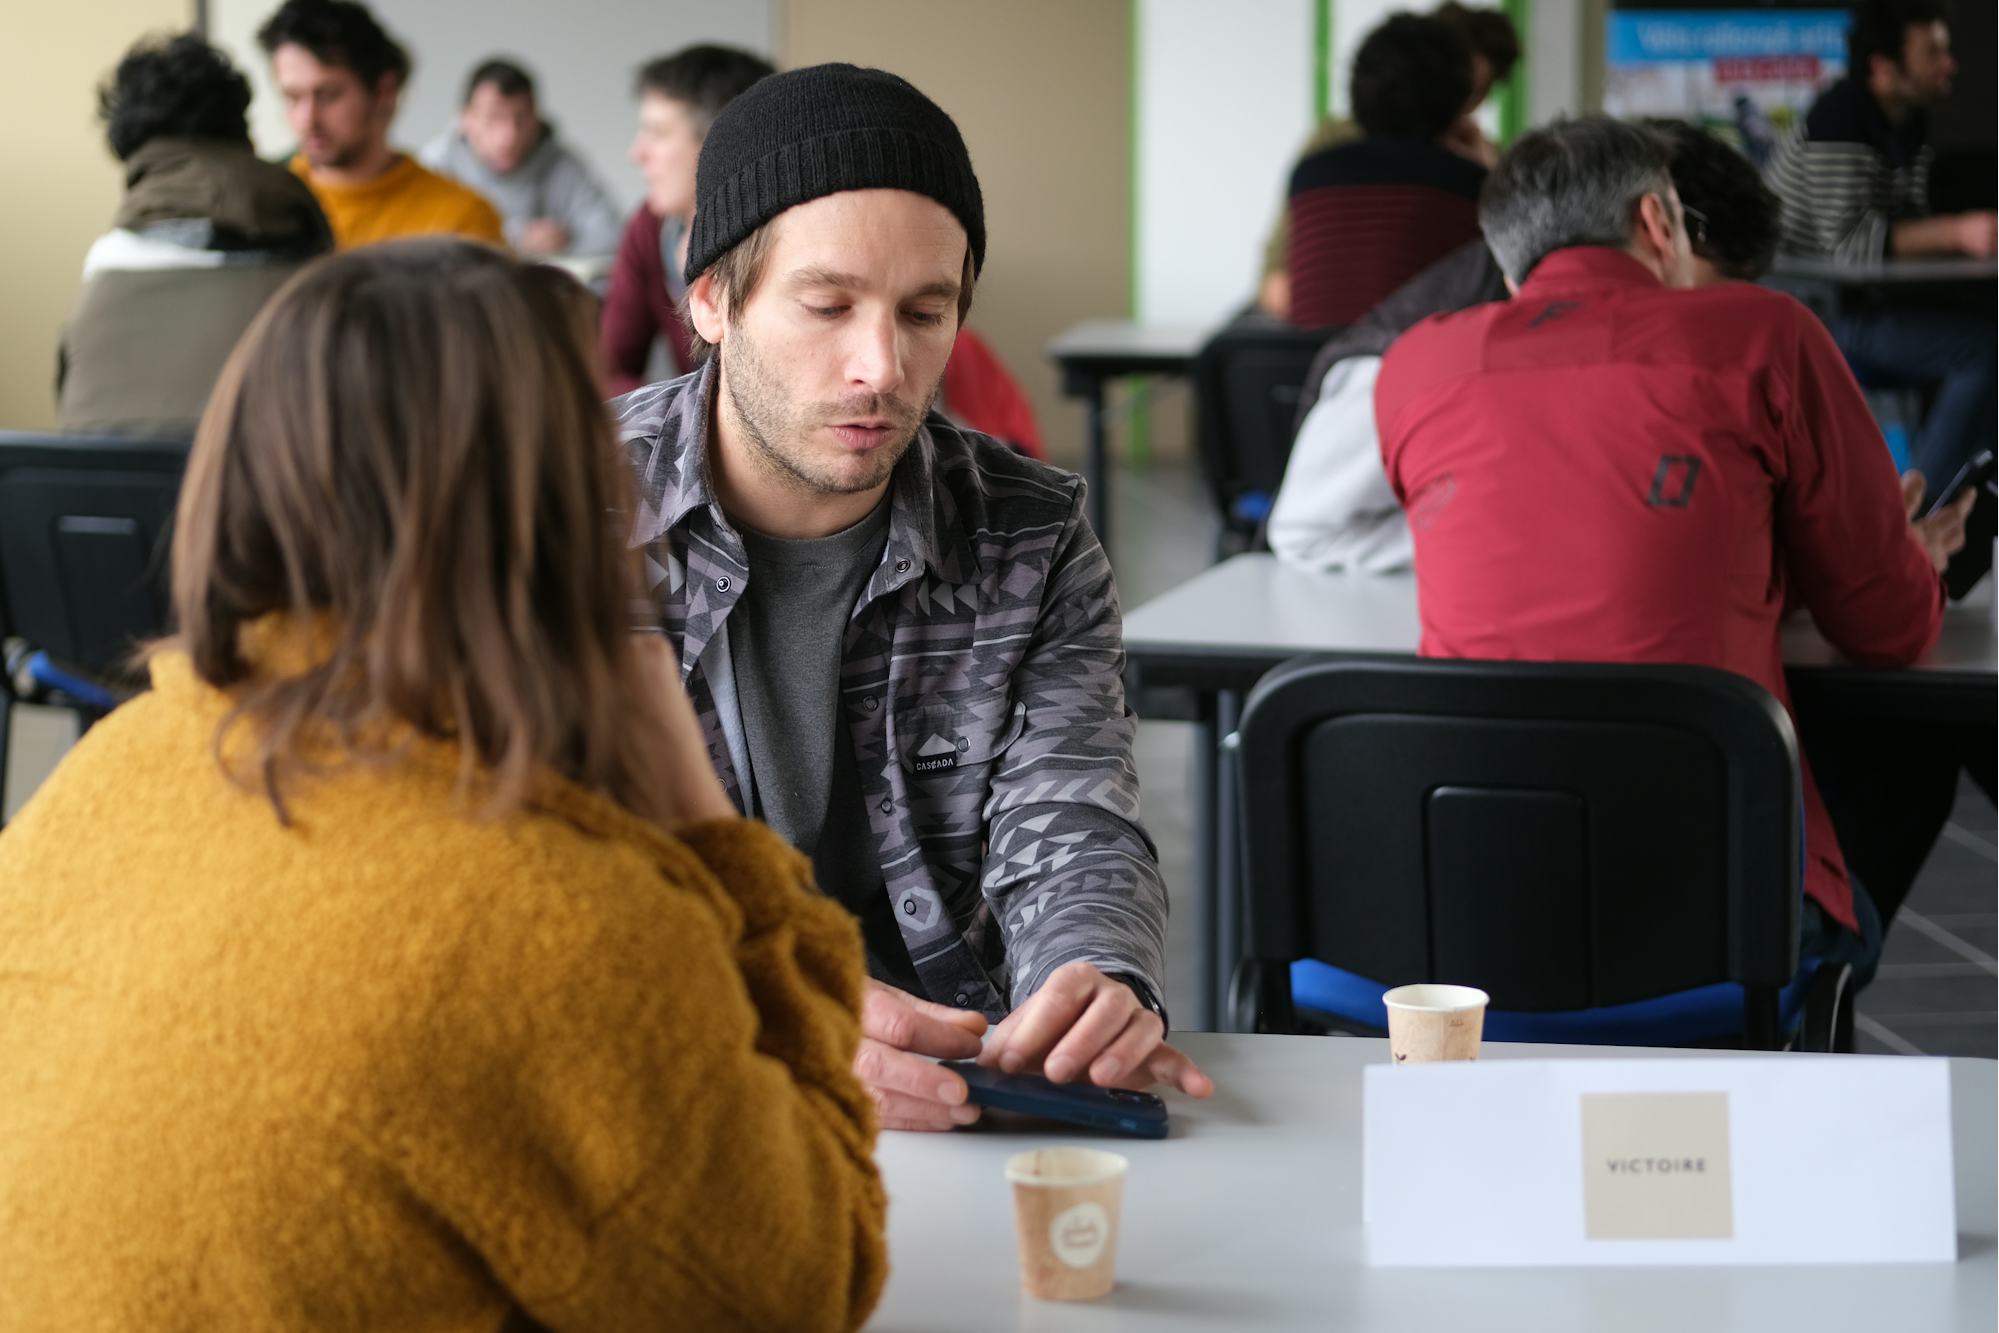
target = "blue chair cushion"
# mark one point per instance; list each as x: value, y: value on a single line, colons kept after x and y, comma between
x: 1706, y: 1013
x: 1251, y: 508
x: 46, y: 675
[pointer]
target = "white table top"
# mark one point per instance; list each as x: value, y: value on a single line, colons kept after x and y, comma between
x: 586, y: 269
x: 1889, y: 272
x: 1248, y: 1217
x: 1119, y: 338
x: 1256, y: 605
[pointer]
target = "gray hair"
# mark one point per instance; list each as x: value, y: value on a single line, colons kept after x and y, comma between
x: 1574, y: 182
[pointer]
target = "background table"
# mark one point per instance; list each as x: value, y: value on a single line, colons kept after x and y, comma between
x: 1888, y: 272
x: 1226, y: 626
x: 1832, y: 288
x: 1219, y: 632
x: 1248, y: 1217
x: 1097, y: 350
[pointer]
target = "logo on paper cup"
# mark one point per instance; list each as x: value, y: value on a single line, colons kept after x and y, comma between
x: 1078, y: 1235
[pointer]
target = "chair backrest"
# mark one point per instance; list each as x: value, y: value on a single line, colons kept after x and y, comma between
x: 85, y: 523
x: 1247, y: 383
x: 1566, y: 836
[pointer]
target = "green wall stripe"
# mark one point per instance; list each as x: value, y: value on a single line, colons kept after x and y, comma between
x: 1322, y: 60
x: 1138, y: 423
x: 1513, y: 115
x: 1131, y: 182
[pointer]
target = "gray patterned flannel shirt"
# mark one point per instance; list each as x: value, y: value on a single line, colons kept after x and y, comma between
x: 982, y: 684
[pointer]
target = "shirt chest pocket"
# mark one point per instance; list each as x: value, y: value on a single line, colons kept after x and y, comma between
x: 937, y: 739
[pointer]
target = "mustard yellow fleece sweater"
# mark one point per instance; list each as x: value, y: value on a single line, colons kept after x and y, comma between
x: 392, y: 1068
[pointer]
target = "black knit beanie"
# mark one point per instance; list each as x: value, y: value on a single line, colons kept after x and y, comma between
x: 794, y: 137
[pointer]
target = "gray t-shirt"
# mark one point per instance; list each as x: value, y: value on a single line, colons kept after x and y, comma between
x: 786, y: 637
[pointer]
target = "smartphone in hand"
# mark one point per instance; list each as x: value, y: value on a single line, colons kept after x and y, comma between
x: 1978, y: 472
x: 1137, y: 1114
x: 1972, y: 563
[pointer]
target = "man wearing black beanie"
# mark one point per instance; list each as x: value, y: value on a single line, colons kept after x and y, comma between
x: 901, y: 637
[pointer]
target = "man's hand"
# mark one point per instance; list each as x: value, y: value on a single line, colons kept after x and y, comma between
x: 1083, y: 1024
x: 544, y: 236
x: 1941, y: 535
x: 897, y: 1032
x: 1274, y: 294
x: 1468, y: 141
x: 1972, y: 234
x: 1977, y: 234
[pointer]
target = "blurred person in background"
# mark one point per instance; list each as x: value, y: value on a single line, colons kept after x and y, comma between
x: 1854, y: 176
x: 679, y: 97
x: 205, y: 233
x: 1495, y: 50
x: 342, y: 77
x: 1733, y: 218
x: 398, y: 960
x: 503, y: 148
x: 1368, y: 215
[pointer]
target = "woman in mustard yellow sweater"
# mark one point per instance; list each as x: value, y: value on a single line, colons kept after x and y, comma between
x: 398, y: 962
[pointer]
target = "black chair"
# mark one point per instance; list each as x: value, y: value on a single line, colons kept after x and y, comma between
x: 84, y: 526
x: 1613, y: 853
x: 1248, y: 380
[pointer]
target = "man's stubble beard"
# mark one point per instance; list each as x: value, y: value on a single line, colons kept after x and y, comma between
x: 778, y: 434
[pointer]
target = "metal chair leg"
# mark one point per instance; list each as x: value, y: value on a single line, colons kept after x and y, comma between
x: 1829, y: 1010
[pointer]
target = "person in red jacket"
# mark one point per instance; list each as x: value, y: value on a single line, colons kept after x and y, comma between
x: 1608, y: 469
x: 679, y: 97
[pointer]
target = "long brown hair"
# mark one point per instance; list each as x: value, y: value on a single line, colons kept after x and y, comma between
x: 409, y: 453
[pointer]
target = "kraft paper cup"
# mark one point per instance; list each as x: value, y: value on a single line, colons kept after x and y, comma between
x: 1065, y: 1211
x: 1428, y: 1023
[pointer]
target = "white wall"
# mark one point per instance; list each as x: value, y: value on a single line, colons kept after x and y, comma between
x: 583, y: 55
x: 1555, y: 34
x: 1224, y: 101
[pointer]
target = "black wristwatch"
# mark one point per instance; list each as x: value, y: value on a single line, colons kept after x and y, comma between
x: 1146, y: 998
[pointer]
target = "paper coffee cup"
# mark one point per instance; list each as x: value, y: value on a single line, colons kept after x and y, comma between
x: 1065, y: 1211
x: 1428, y: 1023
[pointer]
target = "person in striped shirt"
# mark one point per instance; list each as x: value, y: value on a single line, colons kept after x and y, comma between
x: 1854, y: 179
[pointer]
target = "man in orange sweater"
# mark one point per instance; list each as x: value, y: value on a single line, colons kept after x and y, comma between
x: 341, y: 77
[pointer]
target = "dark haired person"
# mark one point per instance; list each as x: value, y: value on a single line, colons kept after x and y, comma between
x: 1495, y: 50
x: 1854, y: 178
x: 397, y: 960
x: 901, y: 637
x: 341, y: 77
x: 1733, y: 218
x: 1336, y: 510
x: 503, y: 148
x: 1610, y: 470
x: 679, y: 97
x: 204, y: 234
x: 1365, y: 217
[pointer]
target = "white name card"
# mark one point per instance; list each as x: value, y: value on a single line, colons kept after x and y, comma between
x: 1782, y: 1160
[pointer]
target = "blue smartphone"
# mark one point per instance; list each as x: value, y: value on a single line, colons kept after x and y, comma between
x: 1137, y: 1114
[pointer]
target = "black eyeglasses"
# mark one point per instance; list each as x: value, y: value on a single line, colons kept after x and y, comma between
x: 1696, y: 223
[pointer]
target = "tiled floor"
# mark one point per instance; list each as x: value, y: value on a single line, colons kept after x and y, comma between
x: 1936, y: 990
